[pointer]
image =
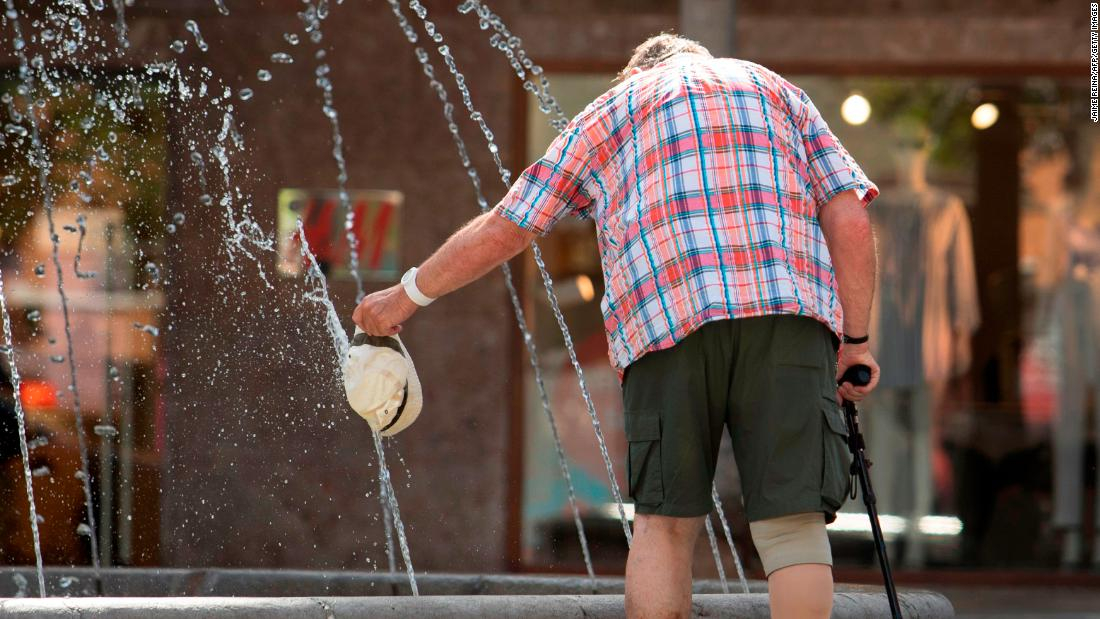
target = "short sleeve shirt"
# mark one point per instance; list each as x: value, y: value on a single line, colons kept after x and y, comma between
x: 705, y: 178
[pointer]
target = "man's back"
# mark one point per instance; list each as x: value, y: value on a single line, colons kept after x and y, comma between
x: 704, y: 177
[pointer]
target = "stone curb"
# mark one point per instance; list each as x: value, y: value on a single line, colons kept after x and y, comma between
x: 222, y: 582
x: 915, y: 605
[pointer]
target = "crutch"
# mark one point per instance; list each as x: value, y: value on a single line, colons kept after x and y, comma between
x: 860, y: 375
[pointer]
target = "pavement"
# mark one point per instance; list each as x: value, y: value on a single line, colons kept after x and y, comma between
x: 1023, y: 602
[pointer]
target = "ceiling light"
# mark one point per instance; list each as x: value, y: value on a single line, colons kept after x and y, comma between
x: 984, y: 116
x: 856, y: 109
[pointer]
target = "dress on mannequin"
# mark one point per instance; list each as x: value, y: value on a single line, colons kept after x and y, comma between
x: 925, y: 310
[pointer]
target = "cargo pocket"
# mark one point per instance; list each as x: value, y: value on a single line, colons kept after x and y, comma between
x: 643, y: 463
x: 836, y: 479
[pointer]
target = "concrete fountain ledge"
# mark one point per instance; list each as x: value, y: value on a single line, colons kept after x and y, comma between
x: 299, y: 594
x: 915, y: 605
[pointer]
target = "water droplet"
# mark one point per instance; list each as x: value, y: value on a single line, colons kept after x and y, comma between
x: 113, y: 373
x: 106, y: 430
x: 291, y: 38
x: 153, y: 271
x: 34, y: 315
x: 193, y: 28
x: 41, y: 471
x: 224, y: 10
x: 245, y: 94
x: 178, y: 218
x: 177, y: 46
x: 40, y: 270
x: 281, y: 58
x: 57, y: 358
x: 9, y: 180
x: 263, y: 75
x: 83, y: 529
x: 112, y: 137
x: 206, y: 200
x: 150, y: 329
x: 171, y: 228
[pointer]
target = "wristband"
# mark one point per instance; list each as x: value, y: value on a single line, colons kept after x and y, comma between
x: 855, y: 340
x: 408, y: 281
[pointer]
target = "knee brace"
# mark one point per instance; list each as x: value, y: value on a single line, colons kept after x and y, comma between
x: 791, y: 540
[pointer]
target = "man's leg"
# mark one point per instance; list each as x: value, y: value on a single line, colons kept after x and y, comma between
x: 789, y: 441
x: 801, y: 592
x: 658, y: 570
x: 798, y: 561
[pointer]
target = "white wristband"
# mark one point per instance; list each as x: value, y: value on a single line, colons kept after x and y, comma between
x: 408, y: 280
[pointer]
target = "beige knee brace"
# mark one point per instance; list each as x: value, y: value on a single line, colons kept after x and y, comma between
x: 791, y: 540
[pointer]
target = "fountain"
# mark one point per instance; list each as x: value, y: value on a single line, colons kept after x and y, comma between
x: 70, y: 39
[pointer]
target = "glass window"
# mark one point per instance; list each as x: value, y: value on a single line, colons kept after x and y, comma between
x: 987, y: 323
x: 549, y: 534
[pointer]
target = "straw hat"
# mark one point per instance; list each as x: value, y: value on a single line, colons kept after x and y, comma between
x: 381, y: 383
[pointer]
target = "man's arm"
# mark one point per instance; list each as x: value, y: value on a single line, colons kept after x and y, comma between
x: 548, y: 189
x: 481, y: 245
x: 847, y: 229
x: 477, y: 248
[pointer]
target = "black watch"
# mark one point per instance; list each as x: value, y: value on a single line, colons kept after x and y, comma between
x: 847, y: 339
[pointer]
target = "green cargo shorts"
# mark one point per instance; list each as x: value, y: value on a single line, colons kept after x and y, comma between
x: 771, y: 381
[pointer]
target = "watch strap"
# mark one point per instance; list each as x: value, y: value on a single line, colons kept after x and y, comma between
x: 847, y: 339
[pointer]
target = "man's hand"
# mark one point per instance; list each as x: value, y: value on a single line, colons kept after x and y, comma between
x: 383, y: 312
x: 855, y: 354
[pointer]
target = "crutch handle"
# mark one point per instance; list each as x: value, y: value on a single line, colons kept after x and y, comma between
x: 858, y: 375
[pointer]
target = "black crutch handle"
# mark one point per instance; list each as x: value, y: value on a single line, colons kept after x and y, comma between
x: 858, y: 375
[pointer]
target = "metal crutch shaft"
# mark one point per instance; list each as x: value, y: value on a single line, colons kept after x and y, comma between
x: 860, y: 375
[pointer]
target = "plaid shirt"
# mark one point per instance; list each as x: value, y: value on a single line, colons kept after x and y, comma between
x: 705, y: 177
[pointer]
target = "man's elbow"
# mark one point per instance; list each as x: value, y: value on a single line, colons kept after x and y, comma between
x: 845, y: 217
x: 509, y: 237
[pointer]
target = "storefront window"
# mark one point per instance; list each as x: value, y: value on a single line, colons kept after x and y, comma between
x: 986, y: 322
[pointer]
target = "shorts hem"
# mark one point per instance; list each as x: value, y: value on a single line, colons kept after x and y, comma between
x: 680, y: 510
x: 788, y: 509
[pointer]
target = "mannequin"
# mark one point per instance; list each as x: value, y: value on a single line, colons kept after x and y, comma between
x: 925, y: 311
x: 1059, y: 258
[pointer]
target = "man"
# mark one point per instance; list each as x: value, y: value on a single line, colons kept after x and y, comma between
x: 732, y: 232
